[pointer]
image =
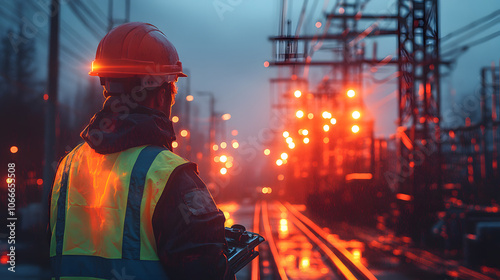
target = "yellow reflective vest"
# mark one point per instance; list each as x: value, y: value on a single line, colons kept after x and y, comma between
x: 101, y: 213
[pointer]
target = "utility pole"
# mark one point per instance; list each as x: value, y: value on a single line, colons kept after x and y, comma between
x: 51, y: 112
x: 211, y: 131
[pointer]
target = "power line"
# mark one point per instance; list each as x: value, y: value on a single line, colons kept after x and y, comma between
x: 471, y: 25
x: 479, y: 41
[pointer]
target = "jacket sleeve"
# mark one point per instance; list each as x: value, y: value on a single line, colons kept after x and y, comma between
x: 189, y: 229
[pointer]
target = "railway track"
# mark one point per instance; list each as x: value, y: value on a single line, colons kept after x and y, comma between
x: 296, y: 248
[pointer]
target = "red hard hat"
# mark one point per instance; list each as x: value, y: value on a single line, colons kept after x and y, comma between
x: 137, y: 49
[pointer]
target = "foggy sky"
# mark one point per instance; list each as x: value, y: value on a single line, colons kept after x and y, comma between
x: 224, y: 52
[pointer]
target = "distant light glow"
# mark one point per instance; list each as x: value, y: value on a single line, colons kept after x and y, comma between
x: 291, y: 146
x: 299, y: 114
x: 333, y: 121
x: 281, y: 177
x: 236, y: 145
x: 351, y: 93
x: 297, y: 93
x: 223, y: 171
x: 279, y: 162
x: 217, y: 158
x: 266, y: 64
x: 267, y: 152
x: 229, y: 165
x: 175, y: 119
x: 184, y: 133
x: 289, y: 140
x: 326, y: 140
x: 14, y: 149
x: 310, y: 116
x: 356, y: 115
x: 223, y: 158
x: 223, y: 145
x: 284, y: 156
x: 318, y: 24
x: 306, y: 140
x: 226, y: 117
x: 234, y: 132
x: 355, y: 128
x: 326, y: 128
x: 215, y: 147
x: 175, y: 144
x: 305, y: 132
x: 39, y: 182
x: 326, y: 115
x: 189, y: 98
x: 286, y: 134
x: 45, y: 97
x: 403, y: 196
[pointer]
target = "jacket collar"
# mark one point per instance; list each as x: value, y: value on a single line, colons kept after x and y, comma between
x: 121, y: 125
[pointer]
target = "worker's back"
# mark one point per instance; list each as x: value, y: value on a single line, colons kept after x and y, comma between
x: 102, y: 210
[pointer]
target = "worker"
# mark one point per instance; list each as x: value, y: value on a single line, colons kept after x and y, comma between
x: 123, y: 205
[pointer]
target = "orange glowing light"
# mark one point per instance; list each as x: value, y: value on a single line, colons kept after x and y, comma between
x: 266, y: 64
x: 318, y: 24
x: 326, y: 140
x: 223, y: 171
x: 305, y: 263
x: 281, y: 177
x: 297, y: 93
x: 326, y: 115
x: 264, y: 190
x: 217, y: 158
x: 305, y: 132
x: 236, y: 145
x: 341, y: 10
x: 289, y: 140
x: 228, y: 165
x: 175, y: 144
x: 306, y: 140
x: 14, y: 149
x: 45, y: 97
x: 215, y: 147
x: 356, y: 254
x: 226, y: 117
x: 404, y: 197
x: 356, y: 115
x: 175, y: 119
x: 223, y: 145
x: 310, y: 116
x: 299, y: 114
x: 184, y: 133
x: 267, y: 152
x: 9, y: 180
x: 358, y: 176
x: 234, y: 132
x: 286, y: 134
x: 355, y: 129
x: 291, y: 146
x: 223, y: 158
x: 189, y: 98
x: 283, y: 222
x: 326, y: 128
x: 284, y: 228
x: 4, y: 259
x: 351, y: 93
x: 279, y: 162
x: 39, y: 182
x: 284, y: 156
x: 333, y: 121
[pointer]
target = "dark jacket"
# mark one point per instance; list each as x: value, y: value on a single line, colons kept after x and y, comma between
x: 189, y: 236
